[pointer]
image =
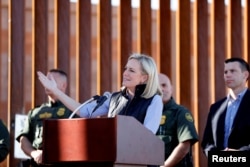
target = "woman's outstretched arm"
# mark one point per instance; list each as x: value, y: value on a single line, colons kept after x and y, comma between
x: 50, y: 85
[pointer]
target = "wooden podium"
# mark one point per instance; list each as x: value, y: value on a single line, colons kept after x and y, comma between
x: 121, y: 141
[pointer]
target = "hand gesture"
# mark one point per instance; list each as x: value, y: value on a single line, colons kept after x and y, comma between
x: 49, y: 82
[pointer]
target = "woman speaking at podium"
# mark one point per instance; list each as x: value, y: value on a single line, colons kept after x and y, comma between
x: 139, y: 97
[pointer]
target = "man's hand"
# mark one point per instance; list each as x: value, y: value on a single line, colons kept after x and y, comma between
x: 37, y: 156
x: 230, y: 149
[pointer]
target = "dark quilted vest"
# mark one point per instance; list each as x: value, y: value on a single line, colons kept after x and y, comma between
x: 120, y: 104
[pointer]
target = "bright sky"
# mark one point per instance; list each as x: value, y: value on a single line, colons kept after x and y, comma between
x: 135, y: 3
x: 154, y: 3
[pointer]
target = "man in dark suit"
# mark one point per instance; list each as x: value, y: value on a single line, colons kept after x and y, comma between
x: 228, y: 122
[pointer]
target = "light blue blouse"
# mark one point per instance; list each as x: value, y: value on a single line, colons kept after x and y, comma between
x: 152, y: 118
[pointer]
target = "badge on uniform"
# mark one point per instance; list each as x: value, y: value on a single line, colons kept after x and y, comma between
x: 163, y: 119
x: 61, y: 111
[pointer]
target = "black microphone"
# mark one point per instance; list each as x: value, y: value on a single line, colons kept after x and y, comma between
x: 100, y: 101
x: 96, y: 97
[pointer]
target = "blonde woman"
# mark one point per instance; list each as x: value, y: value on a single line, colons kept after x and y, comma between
x: 139, y: 97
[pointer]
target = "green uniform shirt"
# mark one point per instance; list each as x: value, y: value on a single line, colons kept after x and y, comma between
x: 33, y: 128
x: 177, y: 125
x: 4, y: 141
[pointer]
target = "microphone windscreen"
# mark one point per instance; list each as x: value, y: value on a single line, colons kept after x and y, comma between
x: 96, y: 97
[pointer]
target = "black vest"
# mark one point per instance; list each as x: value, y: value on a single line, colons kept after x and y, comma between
x: 137, y: 107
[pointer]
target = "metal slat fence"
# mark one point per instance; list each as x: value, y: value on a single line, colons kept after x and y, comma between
x: 92, y: 42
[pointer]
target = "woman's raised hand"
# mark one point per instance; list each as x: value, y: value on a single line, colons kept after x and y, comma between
x: 49, y: 82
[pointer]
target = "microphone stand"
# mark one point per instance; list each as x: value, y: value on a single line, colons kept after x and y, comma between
x: 86, y: 102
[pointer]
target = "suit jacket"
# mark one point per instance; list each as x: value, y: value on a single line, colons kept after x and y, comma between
x: 239, y: 137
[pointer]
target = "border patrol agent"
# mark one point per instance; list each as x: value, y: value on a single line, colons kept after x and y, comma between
x: 30, y: 137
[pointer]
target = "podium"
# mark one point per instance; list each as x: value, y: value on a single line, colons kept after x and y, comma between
x: 121, y: 141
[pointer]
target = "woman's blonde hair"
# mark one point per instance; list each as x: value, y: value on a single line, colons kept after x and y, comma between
x: 148, y: 67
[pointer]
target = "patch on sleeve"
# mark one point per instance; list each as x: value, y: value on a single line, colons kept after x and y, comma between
x: 189, y: 117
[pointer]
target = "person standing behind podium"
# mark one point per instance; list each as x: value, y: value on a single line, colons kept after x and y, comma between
x: 228, y: 122
x: 30, y: 137
x: 4, y: 141
x: 139, y: 97
x: 177, y: 129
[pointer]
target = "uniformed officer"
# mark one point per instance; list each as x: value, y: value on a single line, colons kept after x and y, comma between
x: 177, y: 129
x: 30, y: 137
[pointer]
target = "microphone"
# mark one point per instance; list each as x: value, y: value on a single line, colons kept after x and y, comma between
x: 100, y: 101
x: 96, y: 97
